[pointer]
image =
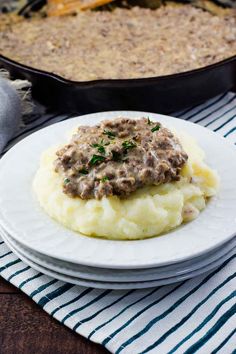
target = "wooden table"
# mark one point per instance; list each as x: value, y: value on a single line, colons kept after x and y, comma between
x: 26, y: 329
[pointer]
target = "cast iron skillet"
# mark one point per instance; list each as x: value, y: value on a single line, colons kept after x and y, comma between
x: 159, y: 94
x: 163, y: 94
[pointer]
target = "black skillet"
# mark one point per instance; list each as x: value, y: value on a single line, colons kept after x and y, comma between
x: 162, y: 94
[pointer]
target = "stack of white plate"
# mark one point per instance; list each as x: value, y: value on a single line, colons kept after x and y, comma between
x: 192, y: 249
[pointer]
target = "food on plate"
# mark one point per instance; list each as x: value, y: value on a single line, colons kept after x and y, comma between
x: 125, y: 179
x: 120, y: 153
x: 124, y: 43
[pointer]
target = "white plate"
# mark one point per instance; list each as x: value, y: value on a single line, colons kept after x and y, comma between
x: 22, y: 217
x: 117, y: 275
x: 115, y: 285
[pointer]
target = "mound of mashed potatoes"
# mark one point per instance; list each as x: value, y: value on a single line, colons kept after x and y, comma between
x: 149, y: 211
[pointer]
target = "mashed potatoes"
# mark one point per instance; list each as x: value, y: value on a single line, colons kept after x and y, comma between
x: 148, y: 212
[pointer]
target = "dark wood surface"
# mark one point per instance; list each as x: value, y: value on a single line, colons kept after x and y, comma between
x: 26, y: 329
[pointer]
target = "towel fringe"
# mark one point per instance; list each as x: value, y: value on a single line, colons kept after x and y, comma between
x: 23, y: 88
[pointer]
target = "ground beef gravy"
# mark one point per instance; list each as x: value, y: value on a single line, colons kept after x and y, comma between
x: 117, y: 157
x: 121, y: 44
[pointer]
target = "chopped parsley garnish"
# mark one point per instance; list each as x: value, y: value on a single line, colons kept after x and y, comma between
x: 104, y: 179
x: 66, y: 180
x: 110, y: 134
x: 149, y: 121
x: 100, y: 147
x: 128, y: 145
x: 156, y: 128
x: 105, y: 144
x: 83, y: 171
x: 96, y: 159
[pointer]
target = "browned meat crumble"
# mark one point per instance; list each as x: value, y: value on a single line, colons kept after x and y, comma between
x: 124, y: 43
x: 117, y: 157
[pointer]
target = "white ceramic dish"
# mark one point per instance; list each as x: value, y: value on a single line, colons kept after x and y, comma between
x: 22, y: 217
x: 115, y: 285
x: 116, y: 275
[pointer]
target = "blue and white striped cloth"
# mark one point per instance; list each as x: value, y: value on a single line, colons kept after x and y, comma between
x: 197, y: 315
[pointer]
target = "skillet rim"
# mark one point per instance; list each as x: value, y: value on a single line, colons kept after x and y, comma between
x: 116, y: 82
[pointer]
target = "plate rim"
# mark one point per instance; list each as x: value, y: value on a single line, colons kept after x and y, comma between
x: 116, y: 285
x: 201, y: 263
x: 11, y: 231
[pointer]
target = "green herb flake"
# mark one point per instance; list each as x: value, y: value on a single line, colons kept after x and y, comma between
x: 128, y: 144
x: 104, y: 179
x: 149, y: 121
x: 100, y: 147
x: 83, y: 171
x: 66, y: 181
x: 156, y: 128
x: 110, y: 134
x: 104, y: 143
x: 96, y: 159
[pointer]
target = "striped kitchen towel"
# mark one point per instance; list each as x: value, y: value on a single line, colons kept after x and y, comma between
x: 194, y: 316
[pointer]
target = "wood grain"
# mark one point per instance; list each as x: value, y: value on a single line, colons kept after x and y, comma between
x: 6, y: 288
x: 25, y: 328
